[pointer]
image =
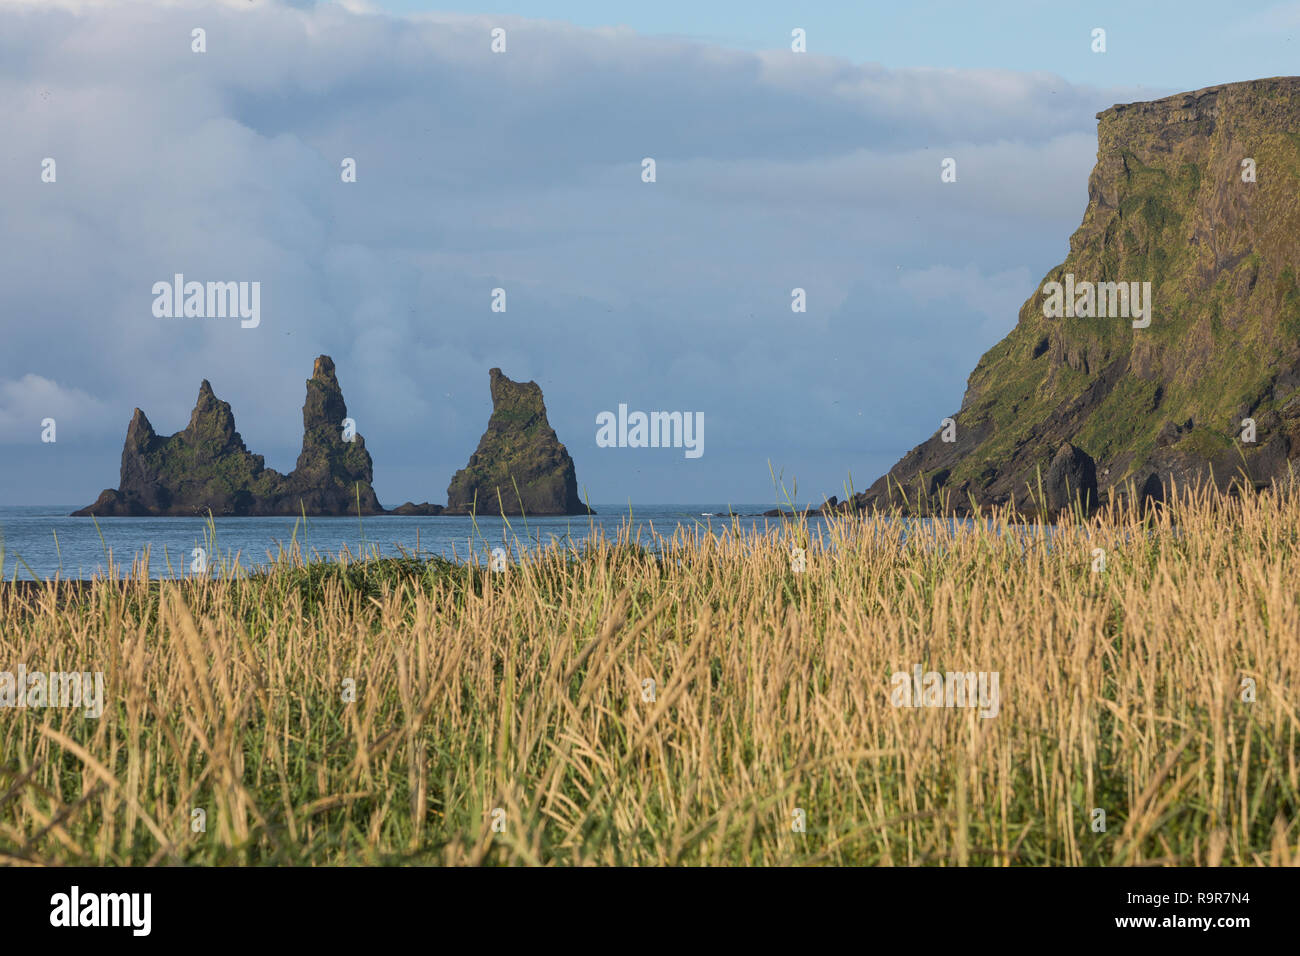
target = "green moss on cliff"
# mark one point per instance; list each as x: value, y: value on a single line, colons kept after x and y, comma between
x: 1167, y: 205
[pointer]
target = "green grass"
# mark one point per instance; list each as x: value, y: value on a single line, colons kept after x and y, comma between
x: 522, y: 691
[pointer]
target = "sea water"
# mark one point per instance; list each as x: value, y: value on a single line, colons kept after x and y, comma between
x: 42, y: 541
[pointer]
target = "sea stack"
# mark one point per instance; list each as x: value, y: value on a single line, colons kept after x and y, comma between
x: 519, y: 467
x: 206, y: 467
x: 333, y: 474
x: 1192, y: 212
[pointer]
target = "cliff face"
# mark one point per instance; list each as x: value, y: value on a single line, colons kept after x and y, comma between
x: 207, y: 467
x: 1167, y: 205
x: 518, y: 450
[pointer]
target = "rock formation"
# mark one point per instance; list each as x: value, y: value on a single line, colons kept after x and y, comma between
x: 520, y: 465
x: 331, y: 473
x: 411, y: 508
x: 206, y: 467
x: 1071, y: 480
x: 1197, y: 195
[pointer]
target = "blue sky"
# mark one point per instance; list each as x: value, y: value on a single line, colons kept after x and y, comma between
x: 1174, y: 44
x: 522, y: 171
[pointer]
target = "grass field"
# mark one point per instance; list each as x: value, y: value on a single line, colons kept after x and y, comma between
x: 505, y: 718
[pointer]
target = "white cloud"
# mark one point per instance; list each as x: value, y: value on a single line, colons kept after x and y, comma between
x: 27, y: 402
x: 520, y: 170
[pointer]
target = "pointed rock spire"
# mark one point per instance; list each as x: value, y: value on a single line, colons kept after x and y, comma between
x: 333, y: 474
x: 206, y: 467
x: 520, y: 465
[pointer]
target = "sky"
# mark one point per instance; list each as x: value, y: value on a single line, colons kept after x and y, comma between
x: 523, y: 171
x: 1175, y: 44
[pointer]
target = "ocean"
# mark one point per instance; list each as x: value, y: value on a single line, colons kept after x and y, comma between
x: 40, y: 541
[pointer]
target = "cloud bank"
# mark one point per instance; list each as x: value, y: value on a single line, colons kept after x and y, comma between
x: 523, y: 171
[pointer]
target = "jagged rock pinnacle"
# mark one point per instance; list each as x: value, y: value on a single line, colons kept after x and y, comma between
x: 519, y: 465
x: 206, y: 467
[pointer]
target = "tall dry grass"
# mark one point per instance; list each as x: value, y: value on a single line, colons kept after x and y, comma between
x: 523, y: 692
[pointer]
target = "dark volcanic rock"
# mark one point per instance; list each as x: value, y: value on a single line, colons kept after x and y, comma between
x: 331, y: 474
x: 411, y: 508
x: 206, y: 467
x: 1167, y: 206
x: 111, y: 502
x: 1071, y: 480
x: 520, y: 467
x: 830, y: 506
x: 1151, y: 492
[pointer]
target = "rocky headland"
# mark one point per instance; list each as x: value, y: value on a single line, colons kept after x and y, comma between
x: 1199, y: 195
